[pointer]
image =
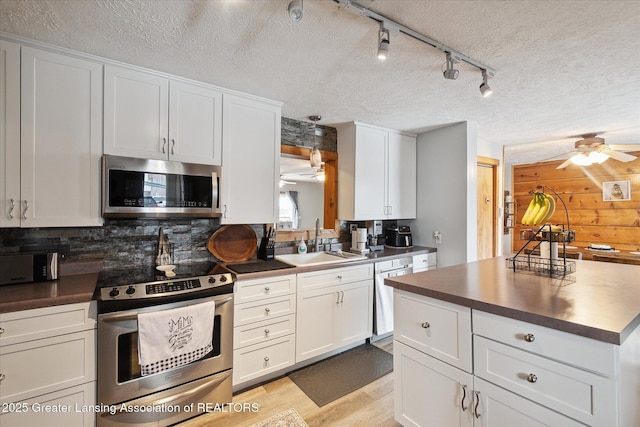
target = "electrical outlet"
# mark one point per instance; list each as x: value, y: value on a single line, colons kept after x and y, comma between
x: 437, y: 237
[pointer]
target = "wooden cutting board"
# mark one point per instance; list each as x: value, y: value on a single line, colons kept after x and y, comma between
x: 233, y: 243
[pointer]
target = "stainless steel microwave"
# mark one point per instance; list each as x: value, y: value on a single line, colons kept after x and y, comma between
x: 138, y: 188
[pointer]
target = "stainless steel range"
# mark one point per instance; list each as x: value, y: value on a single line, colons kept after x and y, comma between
x: 125, y: 395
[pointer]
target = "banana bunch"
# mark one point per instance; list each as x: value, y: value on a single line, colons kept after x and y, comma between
x: 540, y: 209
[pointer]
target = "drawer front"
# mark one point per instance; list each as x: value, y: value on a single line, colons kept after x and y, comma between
x: 38, y: 367
x: 257, y: 289
x: 261, y: 359
x: 578, y: 394
x: 67, y: 400
x: 259, y: 332
x: 336, y: 276
x: 38, y: 323
x: 595, y: 356
x: 263, y: 310
x: 438, y: 328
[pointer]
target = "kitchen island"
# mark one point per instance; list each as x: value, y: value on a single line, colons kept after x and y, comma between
x: 515, y: 347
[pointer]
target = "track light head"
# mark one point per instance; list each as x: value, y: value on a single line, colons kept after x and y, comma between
x: 485, y: 90
x: 383, y: 42
x: 450, y: 73
x: 295, y: 10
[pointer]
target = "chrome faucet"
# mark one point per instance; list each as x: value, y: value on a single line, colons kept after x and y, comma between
x: 317, y: 234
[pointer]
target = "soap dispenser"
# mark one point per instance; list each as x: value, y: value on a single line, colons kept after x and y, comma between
x: 302, y: 247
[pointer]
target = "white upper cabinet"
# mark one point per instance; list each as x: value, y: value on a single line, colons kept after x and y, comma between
x: 376, y: 172
x: 9, y: 134
x: 153, y: 117
x: 250, y: 160
x: 55, y: 162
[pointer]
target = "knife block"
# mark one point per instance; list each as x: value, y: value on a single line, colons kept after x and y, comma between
x: 266, y: 249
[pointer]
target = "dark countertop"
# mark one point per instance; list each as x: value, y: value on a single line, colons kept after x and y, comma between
x: 377, y: 256
x: 603, y: 303
x: 77, y: 283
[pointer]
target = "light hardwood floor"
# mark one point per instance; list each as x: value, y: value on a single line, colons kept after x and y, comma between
x: 371, y: 405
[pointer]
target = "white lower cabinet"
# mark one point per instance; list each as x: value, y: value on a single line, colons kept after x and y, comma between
x: 424, y: 262
x: 264, y: 327
x: 48, y: 381
x: 428, y: 392
x: 335, y: 309
x: 514, y: 374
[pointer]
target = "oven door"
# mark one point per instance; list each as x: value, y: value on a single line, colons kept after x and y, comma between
x: 119, y: 377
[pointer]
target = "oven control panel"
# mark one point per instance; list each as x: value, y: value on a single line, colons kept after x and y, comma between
x: 164, y: 288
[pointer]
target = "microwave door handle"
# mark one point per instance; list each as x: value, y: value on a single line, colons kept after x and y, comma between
x: 215, y: 190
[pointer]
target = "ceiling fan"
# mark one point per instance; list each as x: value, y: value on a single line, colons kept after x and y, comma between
x: 592, y: 149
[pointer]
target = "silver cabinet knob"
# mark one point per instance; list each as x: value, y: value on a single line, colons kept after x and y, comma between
x: 266, y: 332
x: 266, y: 358
x: 266, y: 310
x: 1, y: 377
x: 266, y: 289
x: 1, y: 331
x: 529, y: 338
x: 339, y: 277
x: 532, y: 378
x: 425, y: 325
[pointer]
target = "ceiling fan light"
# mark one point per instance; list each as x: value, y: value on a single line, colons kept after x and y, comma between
x: 581, y: 159
x: 598, y: 157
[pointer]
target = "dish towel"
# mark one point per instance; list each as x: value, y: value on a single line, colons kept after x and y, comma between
x: 175, y: 337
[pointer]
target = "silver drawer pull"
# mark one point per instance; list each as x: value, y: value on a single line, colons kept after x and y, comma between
x: 266, y: 310
x: 425, y: 325
x: 475, y: 408
x: 464, y: 396
x: 26, y: 208
x: 267, y: 289
x: 529, y: 338
x: 532, y: 378
x: 164, y: 144
x: 266, y: 358
x: 12, y: 205
x: 1, y: 377
x: 173, y: 145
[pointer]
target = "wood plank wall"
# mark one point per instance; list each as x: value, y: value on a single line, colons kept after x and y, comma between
x: 595, y: 221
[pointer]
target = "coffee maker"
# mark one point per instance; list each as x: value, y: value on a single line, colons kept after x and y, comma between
x: 375, y: 238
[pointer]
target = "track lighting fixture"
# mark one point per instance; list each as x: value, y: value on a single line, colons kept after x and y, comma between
x: 295, y: 10
x: 485, y: 90
x: 450, y: 73
x: 383, y: 42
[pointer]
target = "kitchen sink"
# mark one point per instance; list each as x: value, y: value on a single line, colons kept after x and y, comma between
x: 319, y: 258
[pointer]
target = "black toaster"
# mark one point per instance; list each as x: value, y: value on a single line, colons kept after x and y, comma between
x: 398, y: 236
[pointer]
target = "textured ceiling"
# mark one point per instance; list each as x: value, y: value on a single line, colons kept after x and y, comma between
x: 563, y: 68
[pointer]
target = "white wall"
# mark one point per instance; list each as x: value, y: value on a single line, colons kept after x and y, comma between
x: 446, y: 192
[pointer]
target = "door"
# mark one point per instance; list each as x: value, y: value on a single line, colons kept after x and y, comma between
x: 401, y: 185
x: 370, y: 173
x: 354, y: 312
x: 487, y: 238
x: 9, y: 134
x: 316, y: 322
x: 61, y: 138
x: 428, y: 392
x: 250, y: 161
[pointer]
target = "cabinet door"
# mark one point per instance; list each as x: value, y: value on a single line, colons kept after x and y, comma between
x: 497, y: 407
x: 370, y: 173
x: 195, y: 124
x: 354, y: 313
x: 9, y: 134
x: 250, y: 161
x: 136, y: 114
x: 401, y: 175
x: 428, y: 392
x: 61, y: 129
x: 316, y: 323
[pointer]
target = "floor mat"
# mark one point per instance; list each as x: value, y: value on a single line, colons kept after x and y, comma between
x: 339, y: 375
x: 289, y: 418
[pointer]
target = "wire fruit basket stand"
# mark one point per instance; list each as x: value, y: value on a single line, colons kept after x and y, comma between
x: 551, y: 265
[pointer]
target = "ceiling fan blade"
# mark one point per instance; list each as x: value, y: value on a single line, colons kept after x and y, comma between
x: 565, y: 164
x: 625, y: 147
x: 622, y: 157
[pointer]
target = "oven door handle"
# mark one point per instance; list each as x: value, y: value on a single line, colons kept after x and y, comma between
x: 113, y: 318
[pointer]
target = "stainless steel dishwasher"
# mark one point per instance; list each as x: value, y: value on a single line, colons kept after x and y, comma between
x: 383, y: 301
